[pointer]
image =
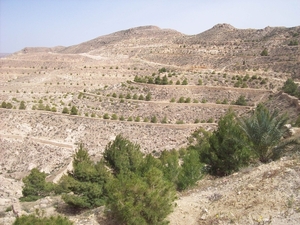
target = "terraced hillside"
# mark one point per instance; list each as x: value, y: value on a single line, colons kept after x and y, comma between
x: 152, y: 85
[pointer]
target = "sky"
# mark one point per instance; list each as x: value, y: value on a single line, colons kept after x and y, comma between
x: 49, y: 23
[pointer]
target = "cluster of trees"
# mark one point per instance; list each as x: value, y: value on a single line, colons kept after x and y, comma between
x: 134, y: 96
x: 158, y: 80
x: 153, y: 80
x: 6, y: 105
x: 137, y: 189
x: 239, y: 141
x: 140, y: 189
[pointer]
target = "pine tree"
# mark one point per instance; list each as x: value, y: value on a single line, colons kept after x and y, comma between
x: 228, y: 147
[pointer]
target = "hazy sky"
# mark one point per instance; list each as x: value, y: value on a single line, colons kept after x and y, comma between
x: 49, y: 23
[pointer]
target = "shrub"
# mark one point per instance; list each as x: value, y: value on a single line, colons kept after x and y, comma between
x: 128, y: 96
x: 153, y: 119
x: 114, y: 116
x: 3, y: 104
x: 162, y: 70
x: 47, y: 108
x: 35, y: 220
x: 148, y: 97
x: 290, y: 87
x: 191, y: 170
x: 241, y: 100
x: 35, y: 186
x: 65, y: 110
x: 135, y: 97
x: 187, y: 100
x: 210, y: 120
x: 74, y: 110
x: 184, y: 82
x: 106, y: 116
x: 181, y: 100
x: 22, y: 105
x: 141, y: 97
x: 141, y: 199
x: 86, y: 181
x: 227, y: 148
x: 123, y: 155
x: 264, y: 52
x: 164, y: 120
x: 41, y: 106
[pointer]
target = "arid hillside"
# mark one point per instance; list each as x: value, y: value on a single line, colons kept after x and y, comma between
x: 154, y: 86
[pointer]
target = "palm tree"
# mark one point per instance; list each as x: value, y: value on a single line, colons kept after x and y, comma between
x: 265, y: 130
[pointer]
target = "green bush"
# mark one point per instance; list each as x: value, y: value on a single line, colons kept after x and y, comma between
x: 148, y: 97
x: 290, y: 87
x: 47, y: 108
x: 3, y: 104
x: 86, y: 181
x: 123, y: 155
x: 227, y: 148
x: 114, y: 116
x: 22, y: 105
x: 141, y: 97
x: 162, y: 70
x: 153, y: 119
x: 264, y: 52
x: 135, y: 97
x: 141, y: 199
x: 191, y: 170
x: 9, y: 105
x: 74, y: 110
x: 65, y: 110
x: 170, y: 165
x: 106, y: 116
x: 35, y: 220
x: 35, y: 186
x: 164, y: 120
x: 241, y: 101
x: 184, y: 82
x: 181, y: 100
